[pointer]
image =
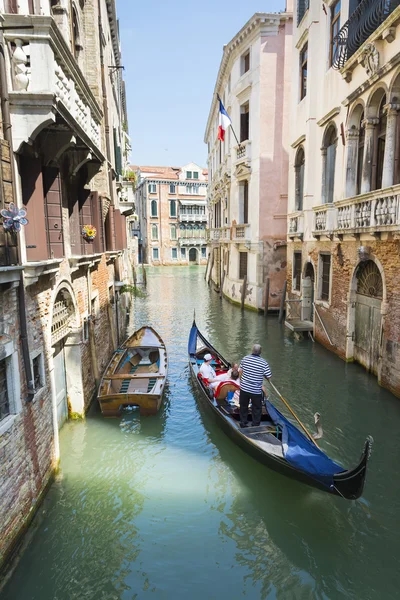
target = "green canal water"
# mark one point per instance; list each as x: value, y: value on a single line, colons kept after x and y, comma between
x: 167, y: 507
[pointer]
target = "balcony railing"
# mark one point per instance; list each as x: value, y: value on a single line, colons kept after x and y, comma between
x: 296, y: 225
x: 324, y: 219
x: 241, y: 233
x: 377, y: 213
x: 192, y: 241
x: 243, y: 151
x: 192, y: 218
x: 222, y: 234
x: 46, y: 78
x: 367, y: 17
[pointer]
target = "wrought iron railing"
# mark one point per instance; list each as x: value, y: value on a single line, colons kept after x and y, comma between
x: 367, y: 17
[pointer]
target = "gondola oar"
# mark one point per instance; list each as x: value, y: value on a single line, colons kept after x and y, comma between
x: 293, y: 413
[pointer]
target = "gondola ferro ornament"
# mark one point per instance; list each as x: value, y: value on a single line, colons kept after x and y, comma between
x: 14, y: 217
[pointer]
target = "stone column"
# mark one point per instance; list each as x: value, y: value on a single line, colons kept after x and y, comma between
x: 390, y: 145
x: 369, y: 125
x: 352, y: 137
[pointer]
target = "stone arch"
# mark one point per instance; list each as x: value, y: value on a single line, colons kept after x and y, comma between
x: 355, y: 149
x: 394, y: 88
x: 329, y: 145
x: 194, y: 252
x: 66, y: 288
x: 355, y: 115
x: 367, y: 300
x: 375, y: 100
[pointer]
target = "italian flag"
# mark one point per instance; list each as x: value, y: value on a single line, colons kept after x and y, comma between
x: 224, y: 122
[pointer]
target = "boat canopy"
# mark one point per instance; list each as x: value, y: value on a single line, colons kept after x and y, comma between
x: 301, y: 453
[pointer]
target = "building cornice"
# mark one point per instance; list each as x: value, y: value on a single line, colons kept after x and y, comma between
x: 260, y: 24
x: 325, y: 119
x: 173, y: 181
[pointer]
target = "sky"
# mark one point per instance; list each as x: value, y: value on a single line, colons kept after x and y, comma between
x: 171, y: 52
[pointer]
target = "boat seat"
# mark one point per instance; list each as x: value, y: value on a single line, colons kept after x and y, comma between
x: 221, y: 391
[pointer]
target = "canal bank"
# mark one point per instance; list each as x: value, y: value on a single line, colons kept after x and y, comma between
x: 167, y: 507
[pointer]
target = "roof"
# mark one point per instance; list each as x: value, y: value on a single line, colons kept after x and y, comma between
x: 158, y: 172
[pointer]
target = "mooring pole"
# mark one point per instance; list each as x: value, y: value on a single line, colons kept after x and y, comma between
x: 244, y: 290
x: 283, y: 299
x: 144, y: 276
x: 266, y: 297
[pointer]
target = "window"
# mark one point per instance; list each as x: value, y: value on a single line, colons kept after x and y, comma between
x: 174, y: 253
x: 154, y: 232
x: 172, y: 188
x: 379, y: 147
x: 195, y: 174
x: 85, y: 329
x: 173, y: 232
x: 172, y: 208
x: 204, y: 253
x: 242, y: 265
x: 243, y: 203
x: 325, y: 269
x: 155, y: 254
x: 299, y: 178
x: 329, y: 160
x: 153, y: 208
x: 303, y: 71
x: 4, y: 398
x: 302, y: 8
x: 192, y: 189
x: 335, y: 27
x: 152, y: 187
x: 38, y: 374
x: 188, y: 174
x: 360, y: 155
x: 245, y: 63
x: 296, y: 271
x: 244, y: 122
x: 183, y: 253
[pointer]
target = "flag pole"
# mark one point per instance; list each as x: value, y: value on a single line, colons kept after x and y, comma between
x: 233, y: 131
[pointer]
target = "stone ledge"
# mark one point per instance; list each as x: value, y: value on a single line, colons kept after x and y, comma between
x: 10, y: 274
x: 34, y: 270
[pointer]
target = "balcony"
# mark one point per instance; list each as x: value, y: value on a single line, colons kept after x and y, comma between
x: 243, y: 152
x: 47, y: 86
x: 371, y: 18
x: 375, y: 213
x: 324, y: 220
x: 296, y: 226
x: 192, y: 241
x: 241, y: 233
x: 220, y: 234
x: 192, y: 218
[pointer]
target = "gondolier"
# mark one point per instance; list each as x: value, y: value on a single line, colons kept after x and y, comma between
x: 253, y: 369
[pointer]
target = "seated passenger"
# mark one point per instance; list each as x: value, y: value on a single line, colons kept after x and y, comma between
x: 206, y: 370
x: 225, y: 376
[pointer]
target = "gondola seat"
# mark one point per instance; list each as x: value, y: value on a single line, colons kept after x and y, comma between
x: 221, y: 391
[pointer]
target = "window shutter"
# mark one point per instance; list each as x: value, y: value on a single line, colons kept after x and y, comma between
x: 246, y: 202
x: 117, y: 154
x: 97, y: 211
x: 11, y: 7
x: 33, y: 199
x: 53, y: 208
x: 86, y: 218
x: 8, y: 241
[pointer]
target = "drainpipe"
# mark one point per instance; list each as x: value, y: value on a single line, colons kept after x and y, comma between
x: 5, y: 110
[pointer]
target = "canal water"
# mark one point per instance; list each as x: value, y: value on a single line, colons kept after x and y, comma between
x: 167, y: 507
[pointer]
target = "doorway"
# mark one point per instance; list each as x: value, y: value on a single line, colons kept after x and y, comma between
x: 308, y: 293
x: 60, y: 384
x: 193, y: 255
x: 368, y: 317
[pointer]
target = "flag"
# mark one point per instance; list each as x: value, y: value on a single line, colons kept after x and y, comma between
x: 224, y: 122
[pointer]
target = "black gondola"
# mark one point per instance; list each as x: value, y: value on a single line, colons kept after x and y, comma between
x: 276, y: 442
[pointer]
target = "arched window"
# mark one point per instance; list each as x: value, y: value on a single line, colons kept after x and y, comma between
x: 360, y: 153
x: 379, y: 147
x: 154, y: 232
x: 299, y: 178
x: 329, y: 161
x: 153, y: 208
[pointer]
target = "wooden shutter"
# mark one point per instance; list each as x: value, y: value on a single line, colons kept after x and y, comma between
x: 8, y: 241
x: 97, y: 211
x: 242, y: 265
x: 245, y: 202
x: 110, y: 229
x: 86, y: 218
x: 53, y: 208
x: 75, y: 236
x: 120, y: 230
x: 11, y: 7
x: 33, y: 199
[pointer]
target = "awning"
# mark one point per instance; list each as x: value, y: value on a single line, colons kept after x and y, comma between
x: 193, y: 202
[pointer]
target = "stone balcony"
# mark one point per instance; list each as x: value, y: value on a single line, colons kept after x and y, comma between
x: 296, y: 226
x: 193, y: 218
x: 242, y: 152
x: 219, y: 234
x: 192, y: 241
x: 374, y: 213
x: 241, y: 233
x: 46, y: 84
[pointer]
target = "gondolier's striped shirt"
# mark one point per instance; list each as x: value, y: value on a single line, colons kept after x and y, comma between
x: 255, y: 369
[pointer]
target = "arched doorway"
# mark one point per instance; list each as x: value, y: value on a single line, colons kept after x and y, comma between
x: 61, y: 324
x: 308, y: 292
x: 193, y: 255
x: 368, y: 315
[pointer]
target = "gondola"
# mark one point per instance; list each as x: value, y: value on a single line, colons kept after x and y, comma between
x: 135, y: 375
x: 276, y: 442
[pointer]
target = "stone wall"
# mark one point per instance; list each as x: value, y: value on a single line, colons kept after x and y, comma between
x: 336, y: 314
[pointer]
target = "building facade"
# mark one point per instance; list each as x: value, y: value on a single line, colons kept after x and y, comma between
x: 343, y: 230
x: 172, y: 210
x: 248, y: 174
x: 61, y: 310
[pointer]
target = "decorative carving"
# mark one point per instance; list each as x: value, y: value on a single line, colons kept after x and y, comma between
x: 369, y: 279
x: 370, y: 59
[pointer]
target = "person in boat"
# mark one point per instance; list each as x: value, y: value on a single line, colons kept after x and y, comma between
x: 253, y: 369
x: 207, y: 371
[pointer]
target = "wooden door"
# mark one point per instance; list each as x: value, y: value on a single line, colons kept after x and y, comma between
x: 53, y: 208
x: 367, y: 338
x: 33, y: 198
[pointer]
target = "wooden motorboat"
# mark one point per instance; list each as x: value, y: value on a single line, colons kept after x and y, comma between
x: 135, y: 375
x: 276, y: 442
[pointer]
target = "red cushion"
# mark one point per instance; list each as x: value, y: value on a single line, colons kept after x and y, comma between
x: 220, y: 386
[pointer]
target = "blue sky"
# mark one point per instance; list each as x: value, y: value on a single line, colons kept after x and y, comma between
x: 171, y: 54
